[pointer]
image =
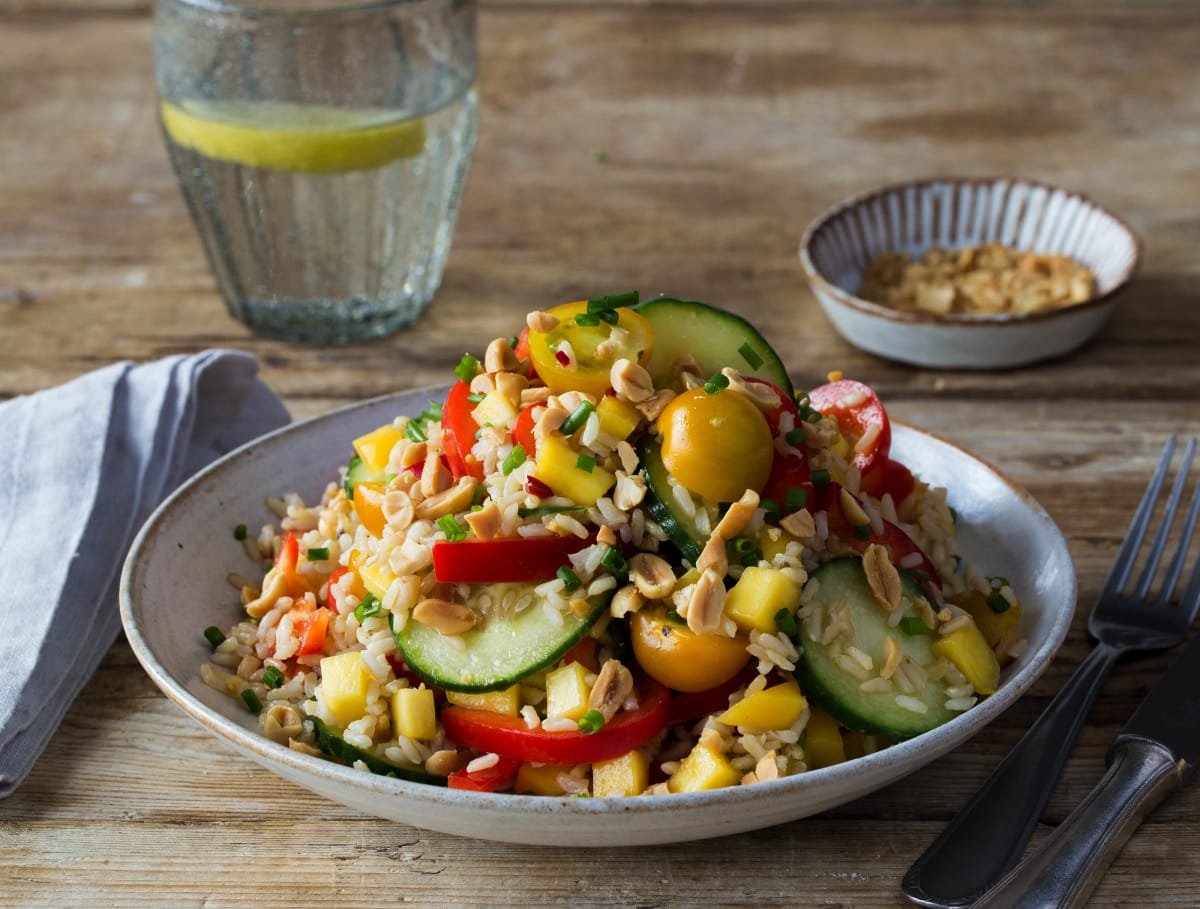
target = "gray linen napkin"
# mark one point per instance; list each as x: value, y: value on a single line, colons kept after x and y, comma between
x: 81, y: 468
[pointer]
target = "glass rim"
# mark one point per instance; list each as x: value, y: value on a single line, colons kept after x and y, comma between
x: 259, y: 8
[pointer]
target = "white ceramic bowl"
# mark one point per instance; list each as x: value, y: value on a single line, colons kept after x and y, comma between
x: 954, y: 213
x: 174, y: 585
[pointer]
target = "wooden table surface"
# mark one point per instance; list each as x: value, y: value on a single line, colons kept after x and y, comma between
x: 672, y: 147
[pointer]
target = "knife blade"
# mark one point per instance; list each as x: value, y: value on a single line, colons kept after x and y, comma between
x: 1153, y: 756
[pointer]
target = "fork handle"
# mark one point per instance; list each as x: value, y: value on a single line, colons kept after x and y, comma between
x: 987, y: 837
x: 1065, y: 869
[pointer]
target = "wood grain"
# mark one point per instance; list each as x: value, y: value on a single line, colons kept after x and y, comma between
x: 724, y: 128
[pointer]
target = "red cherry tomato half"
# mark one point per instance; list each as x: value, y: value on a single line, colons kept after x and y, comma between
x: 510, y: 737
x: 491, y: 779
x: 898, y: 543
x: 889, y: 477
x: 509, y: 560
x: 458, y: 433
x: 791, y: 470
x: 861, y: 419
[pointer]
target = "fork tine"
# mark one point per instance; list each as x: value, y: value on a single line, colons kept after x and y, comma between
x: 1181, y: 552
x: 1123, y: 564
x: 1164, y: 529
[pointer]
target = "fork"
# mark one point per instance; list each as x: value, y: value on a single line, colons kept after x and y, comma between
x: 986, y: 839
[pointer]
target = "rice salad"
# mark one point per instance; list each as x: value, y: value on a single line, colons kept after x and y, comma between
x: 623, y: 556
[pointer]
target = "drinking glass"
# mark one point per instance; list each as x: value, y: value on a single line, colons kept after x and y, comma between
x: 322, y: 147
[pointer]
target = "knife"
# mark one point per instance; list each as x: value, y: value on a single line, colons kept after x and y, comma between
x: 1153, y: 756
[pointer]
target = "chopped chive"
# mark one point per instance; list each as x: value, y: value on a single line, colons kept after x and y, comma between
x: 253, y: 704
x: 750, y: 355
x: 586, y: 463
x: 368, y: 607
x: 214, y: 635
x: 587, y: 318
x: 317, y: 554
x: 821, y: 477
x: 239, y: 532
x: 272, y: 677
x: 515, y: 459
x: 795, y: 436
x: 600, y: 304
x: 467, y: 368
x: 539, y: 510
x: 746, y: 550
x: 415, y: 432
x: 512, y: 341
x: 577, y: 418
x: 809, y: 415
x: 478, y: 496
x: 743, y: 545
x: 772, y: 510
x: 786, y: 622
x: 795, y: 498
x: 608, y: 315
x: 862, y: 532
x: 432, y: 412
x: 997, y: 581
x: 348, y: 482
x: 716, y: 384
x: 998, y: 603
x: 569, y: 578
x: 475, y: 397
x: 614, y: 561
x: 673, y: 617
x: 450, y: 526
x: 591, y: 722
x: 912, y: 625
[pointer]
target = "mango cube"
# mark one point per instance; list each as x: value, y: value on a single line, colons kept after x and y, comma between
x: 495, y: 409
x: 823, y: 745
x: 994, y: 625
x: 414, y: 714
x: 628, y: 774
x: 777, y: 707
x: 376, y: 578
x: 617, y: 418
x: 506, y: 702
x: 344, y: 681
x: 967, y: 649
x: 375, y: 448
x: 758, y: 595
x: 702, y: 769
x: 541, y: 780
x: 567, y: 691
x: 557, y: 466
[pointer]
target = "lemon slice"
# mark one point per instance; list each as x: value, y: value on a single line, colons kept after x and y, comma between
x: 292, y: 137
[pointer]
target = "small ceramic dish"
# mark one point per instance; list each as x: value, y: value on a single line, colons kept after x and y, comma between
x: 174, y: 585
x: 952, y: 214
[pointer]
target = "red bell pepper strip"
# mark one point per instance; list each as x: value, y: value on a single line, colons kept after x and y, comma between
x: 491, y: 779
x: 860, y: 417
x: 521, y: 350
x: 522, y: 432
x: 898, y: 543
x: 310, y: 628
x: 331, y: 599
x: 508, y: 560
x: 512, y: 738
x: 458, y: 433
x: 790, y: 470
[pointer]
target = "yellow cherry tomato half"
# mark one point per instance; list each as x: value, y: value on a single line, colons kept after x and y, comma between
x: 580, y: 357
x: 675, y: 655
x: 716, y: 445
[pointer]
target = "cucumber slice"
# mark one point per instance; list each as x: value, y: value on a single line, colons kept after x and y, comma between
x: 715, y: 337
x: 500, y: 651
x: 356, y: 472
x: 335, y: 746
x: 843, y: 582
x: 660, y: 503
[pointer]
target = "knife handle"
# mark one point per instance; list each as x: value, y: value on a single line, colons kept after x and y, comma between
x: 1065, y: 869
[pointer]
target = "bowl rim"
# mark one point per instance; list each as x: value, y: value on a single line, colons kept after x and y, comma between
x: 826, y: 286
x: 253, y: 744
